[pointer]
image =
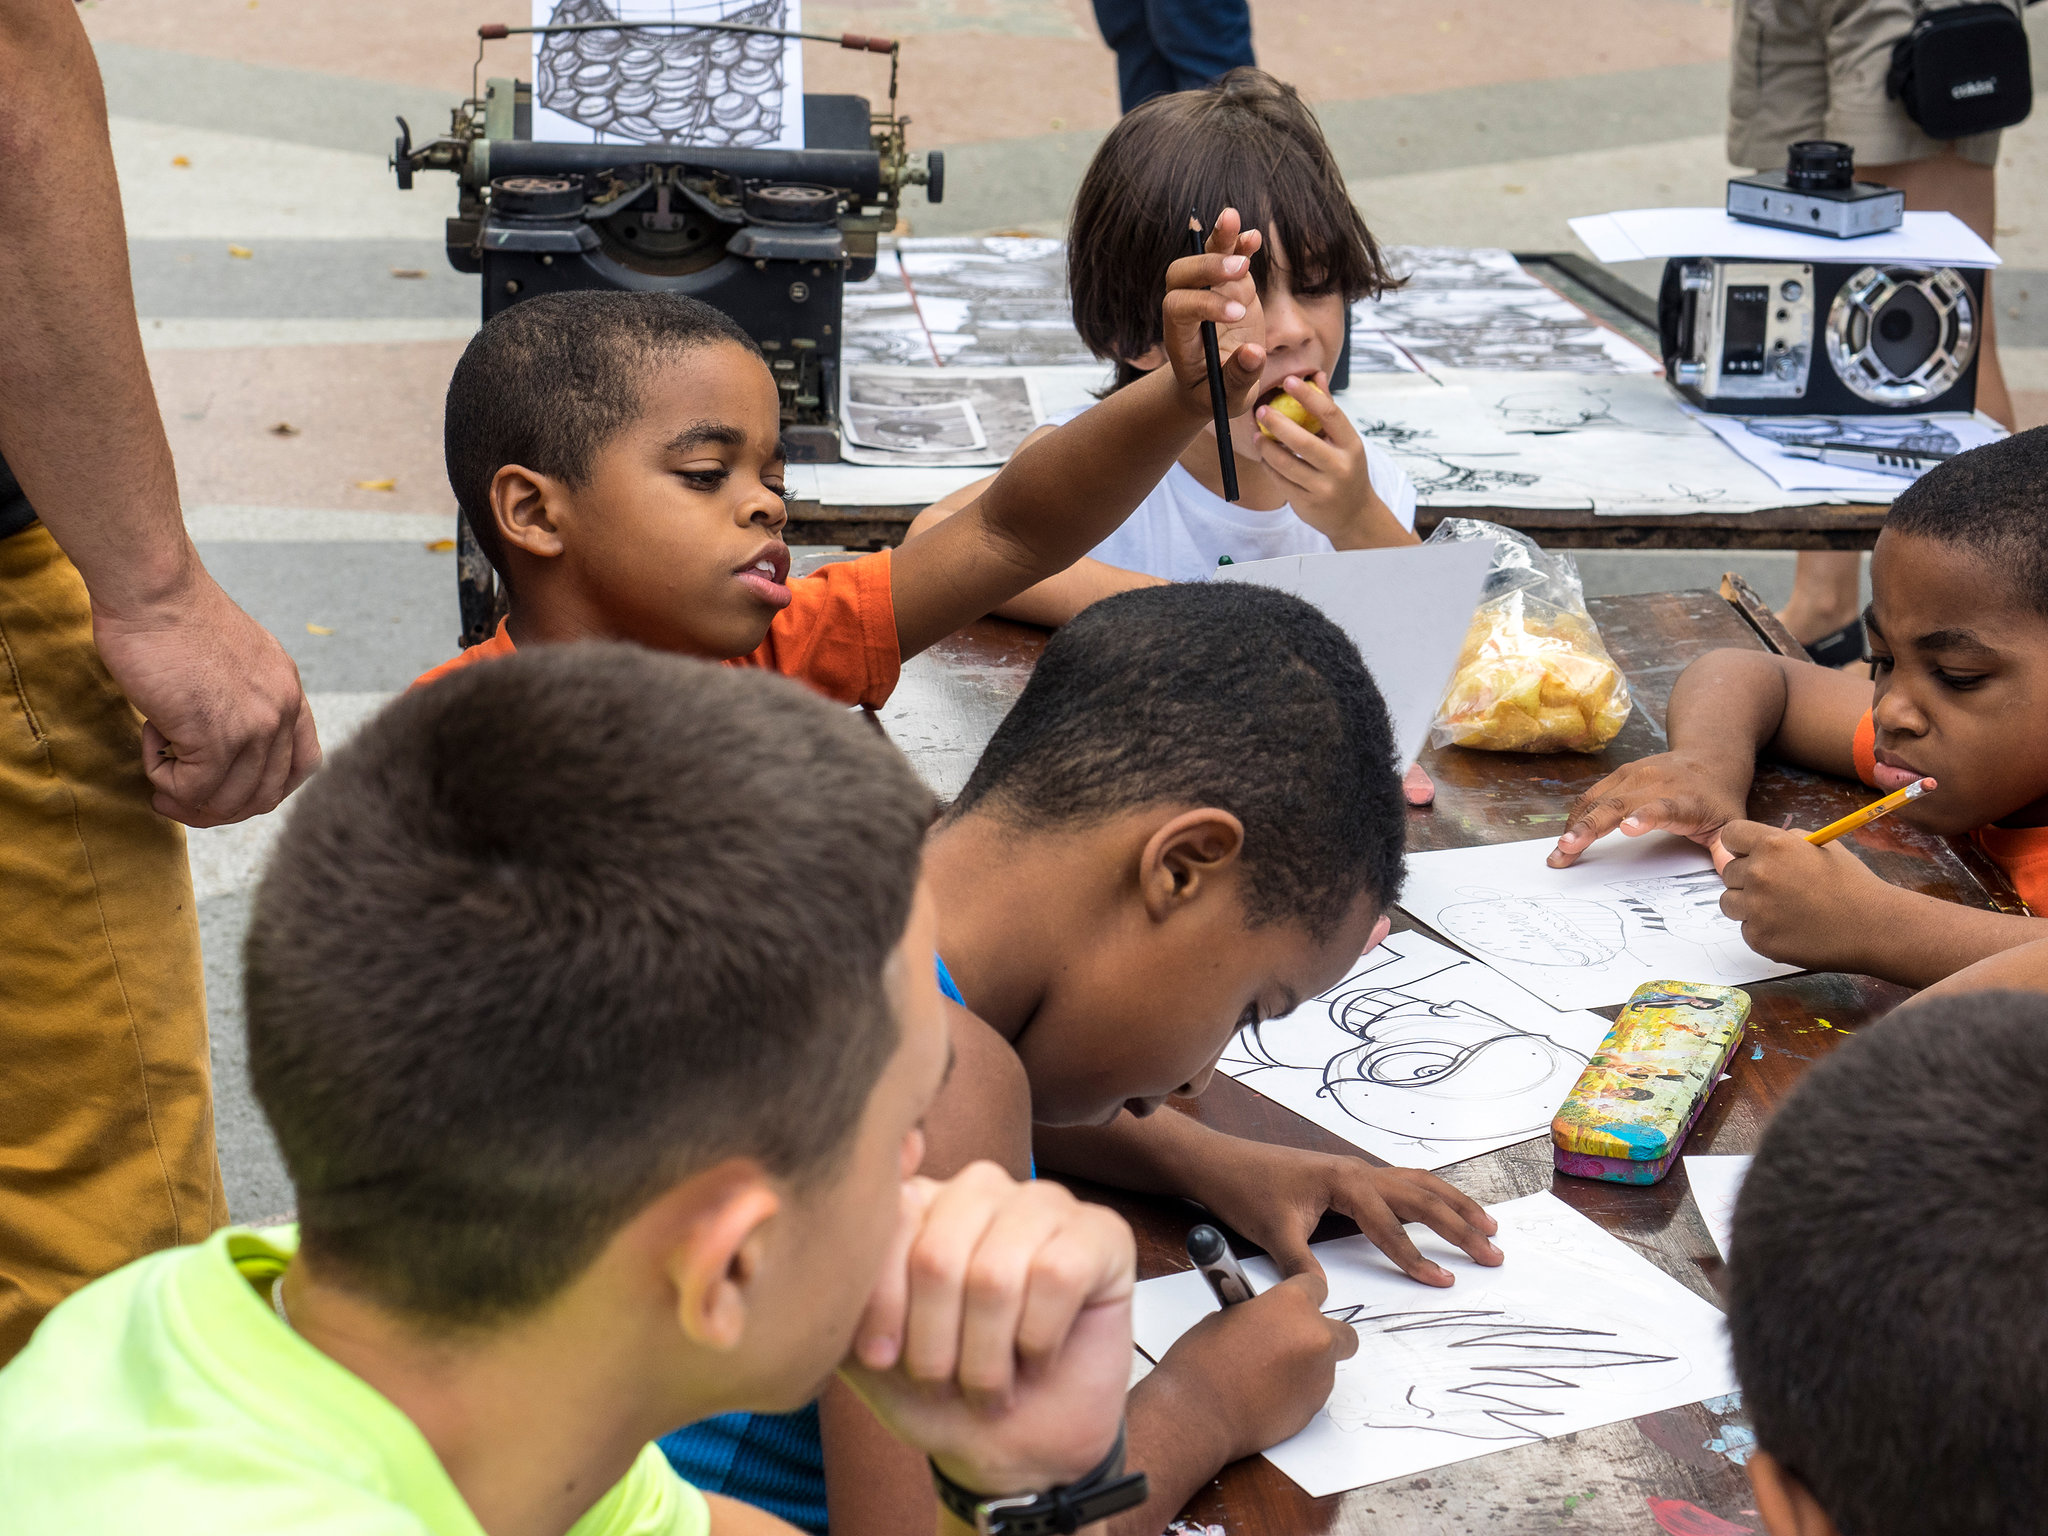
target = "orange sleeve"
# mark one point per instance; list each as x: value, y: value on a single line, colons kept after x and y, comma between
x: 2022, y: 852
x: 500, y: 644
x: 1864, y: 749
x: 838, y: 633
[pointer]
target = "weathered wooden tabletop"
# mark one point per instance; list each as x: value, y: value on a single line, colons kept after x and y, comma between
x: 1656, y: 1473
x: 1791, y: 527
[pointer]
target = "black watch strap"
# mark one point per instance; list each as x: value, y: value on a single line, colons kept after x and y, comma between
x: 1106, y: 1491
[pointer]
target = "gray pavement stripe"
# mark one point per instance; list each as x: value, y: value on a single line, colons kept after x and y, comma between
x: 300, y: 525
x: 301, y: 279
x: 300, y: 106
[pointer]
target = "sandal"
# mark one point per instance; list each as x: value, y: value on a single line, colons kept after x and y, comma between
x: 1845, y: 647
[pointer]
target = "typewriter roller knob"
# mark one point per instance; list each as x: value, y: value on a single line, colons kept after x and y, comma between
x: 935, y: 176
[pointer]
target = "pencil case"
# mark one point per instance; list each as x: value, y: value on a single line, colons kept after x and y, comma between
x: 1646, y: 1085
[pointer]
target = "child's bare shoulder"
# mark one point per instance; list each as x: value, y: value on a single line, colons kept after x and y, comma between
x: 984, y: 1109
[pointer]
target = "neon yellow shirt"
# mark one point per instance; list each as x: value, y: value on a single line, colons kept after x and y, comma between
x: 169, y: 1398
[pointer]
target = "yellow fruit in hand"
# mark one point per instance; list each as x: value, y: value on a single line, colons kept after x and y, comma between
x: 1284, y: 404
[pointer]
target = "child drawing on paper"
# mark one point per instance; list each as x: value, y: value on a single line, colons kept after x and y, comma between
x: 1474, y: 1372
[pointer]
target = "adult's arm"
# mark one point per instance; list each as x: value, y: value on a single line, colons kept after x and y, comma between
x: 228, y: 733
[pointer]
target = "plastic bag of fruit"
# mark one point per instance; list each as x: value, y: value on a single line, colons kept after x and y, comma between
x: 1533, y: 675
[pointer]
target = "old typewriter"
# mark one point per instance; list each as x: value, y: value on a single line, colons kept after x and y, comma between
x: 770, y: 236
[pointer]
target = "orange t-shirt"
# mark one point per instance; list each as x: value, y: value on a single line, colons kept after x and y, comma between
x: 2022, y: 852
x: 838, y: 634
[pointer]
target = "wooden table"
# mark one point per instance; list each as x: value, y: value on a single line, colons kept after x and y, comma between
x: 1621, y: 1477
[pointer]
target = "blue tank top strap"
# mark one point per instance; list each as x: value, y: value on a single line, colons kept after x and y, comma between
x: 947, y: 984
x: 773, y: 1461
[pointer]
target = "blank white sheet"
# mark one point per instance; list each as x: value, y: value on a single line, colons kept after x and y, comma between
x: 1716, y: 1181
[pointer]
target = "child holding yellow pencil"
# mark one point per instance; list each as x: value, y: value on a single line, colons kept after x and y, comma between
x: 1959, y: 642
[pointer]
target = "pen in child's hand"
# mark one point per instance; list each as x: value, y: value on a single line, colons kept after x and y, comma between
x: 1870, y: 812
x: 1219, y: 1266
x: 1219, y: 401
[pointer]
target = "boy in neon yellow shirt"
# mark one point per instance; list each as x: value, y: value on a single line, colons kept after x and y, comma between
x: 591, y: 999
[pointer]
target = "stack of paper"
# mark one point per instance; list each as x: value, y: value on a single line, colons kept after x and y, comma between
x: 1765, y: 440
x: 1639, y: 233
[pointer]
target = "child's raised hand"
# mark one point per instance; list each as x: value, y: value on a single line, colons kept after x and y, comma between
x: 1671, y: 792
x: 1217, y: 286
x: 998, y: 1339
x: 1255, y: 1373
x: 1276, y: 1196
x: 1332, y: 488
x: 1816, y: 907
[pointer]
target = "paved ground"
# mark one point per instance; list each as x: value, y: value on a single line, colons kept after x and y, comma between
x: 263, y: 125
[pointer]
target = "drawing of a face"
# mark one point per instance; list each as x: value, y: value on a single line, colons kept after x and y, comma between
x: 1473, y: 1372
x: 1552, y: 930
x: 1420, y: 1063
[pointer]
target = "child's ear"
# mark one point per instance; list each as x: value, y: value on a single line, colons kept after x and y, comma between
x: 1185, y: 857
x: 1786, y: 1506
x: 522, y: 506
x: 714, y: 1257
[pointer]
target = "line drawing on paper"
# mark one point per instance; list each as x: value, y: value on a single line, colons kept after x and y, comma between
x: 1686, y: 907
x: 1566, y: 409
x: 1911, y: 432
x: 666, y: 87
x: 1475, y: 1372
x: 1586, y: 932
x: 1440, y: 1056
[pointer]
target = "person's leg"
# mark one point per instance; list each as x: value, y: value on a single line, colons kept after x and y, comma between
x: 106, y: 1102
x: 1142, y: 71
x: 1949, y: 183
x: 1202, y: 40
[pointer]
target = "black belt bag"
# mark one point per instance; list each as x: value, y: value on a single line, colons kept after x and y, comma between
x: 1963, y: 70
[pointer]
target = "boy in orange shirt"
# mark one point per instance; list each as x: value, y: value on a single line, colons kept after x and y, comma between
x: 1958, y: 626
x: 618, y: 457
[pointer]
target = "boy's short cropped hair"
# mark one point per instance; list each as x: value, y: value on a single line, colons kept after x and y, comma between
x: 1247, y: 142
x: 548, y: 382
x: 1889, y: 1278
x: 555, y: 933
x: 1992, y: 501
x: 1217, y: 694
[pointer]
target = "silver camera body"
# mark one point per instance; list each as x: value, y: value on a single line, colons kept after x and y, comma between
x: 1760, y: 338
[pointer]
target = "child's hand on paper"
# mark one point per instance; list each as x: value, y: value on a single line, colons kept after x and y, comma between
x: 1330, y: 486
x: 998, y: 1338
x: 1216, y: 286
x: 1682, y: 792
x: 1800, y: 905
x: 1277, y: 1196
x: 1255, y: 1373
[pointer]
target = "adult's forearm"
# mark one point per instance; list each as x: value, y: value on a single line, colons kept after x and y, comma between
x: 78, y: 418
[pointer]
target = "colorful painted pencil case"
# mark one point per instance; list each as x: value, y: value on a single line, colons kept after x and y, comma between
x: 1648, y: 1082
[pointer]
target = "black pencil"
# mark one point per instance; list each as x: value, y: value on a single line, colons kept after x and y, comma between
x: 1226, y: 456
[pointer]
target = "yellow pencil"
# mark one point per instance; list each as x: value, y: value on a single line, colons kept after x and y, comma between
x: 1870, y: 812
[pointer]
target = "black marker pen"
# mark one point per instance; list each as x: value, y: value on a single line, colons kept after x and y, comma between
x: 1219, y: 1266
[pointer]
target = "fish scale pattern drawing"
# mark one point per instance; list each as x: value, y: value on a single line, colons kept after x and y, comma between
x: 663, y: 86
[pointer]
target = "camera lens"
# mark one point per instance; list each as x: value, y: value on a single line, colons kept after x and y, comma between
x: 1820, y: 165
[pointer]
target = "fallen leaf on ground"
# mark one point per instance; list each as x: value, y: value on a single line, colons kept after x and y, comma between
x: 408, y: 271
x: 439, y: 546
x: 183, y: 162
x: 240, y: 252
x: 284, y: 429
x: 376, y: 485
x: 318, y: 629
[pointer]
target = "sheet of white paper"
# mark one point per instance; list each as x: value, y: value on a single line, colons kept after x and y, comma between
x: 1407, y: 610
x: 669, y: 85
x: 1633, y: 909
x: 883, y: 408
x: 1575, y: 1330
x: 1716, y: 1181
x: 1762, y: 439
x: 1613, y: 444
x: 1638, y: 233
x: 1420, y: 1056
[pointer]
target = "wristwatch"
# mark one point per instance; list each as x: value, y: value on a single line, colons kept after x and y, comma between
x: 1106, y: 1491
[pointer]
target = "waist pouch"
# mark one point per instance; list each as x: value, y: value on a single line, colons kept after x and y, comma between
x: 1963, y: 70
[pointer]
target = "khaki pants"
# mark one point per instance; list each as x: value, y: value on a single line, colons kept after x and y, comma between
x: 106, y: 1094
x: 1814, y: 69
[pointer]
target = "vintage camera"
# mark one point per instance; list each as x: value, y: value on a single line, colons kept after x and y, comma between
x: 1818, y: 194
x: 1758, y: 338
